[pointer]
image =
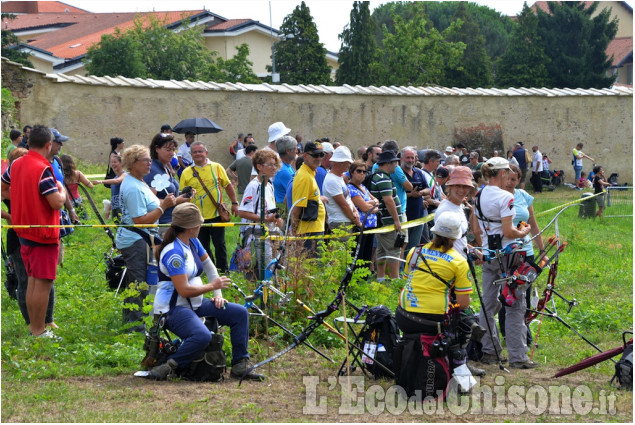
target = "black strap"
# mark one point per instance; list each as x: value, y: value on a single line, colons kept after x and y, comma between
x: 145, y: 236
x: 480, y: 214
x: 197, y: 175
x: 430, y: 271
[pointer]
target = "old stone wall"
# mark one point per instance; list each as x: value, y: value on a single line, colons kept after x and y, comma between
x: 93, y: 113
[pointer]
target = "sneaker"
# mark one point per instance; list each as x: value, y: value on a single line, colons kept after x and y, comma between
x: 161, y: 372
x: 528, y: 364
x: 492, y: 359
x: 47, y: 334
x: 239, y: 369
x: 475, y: 371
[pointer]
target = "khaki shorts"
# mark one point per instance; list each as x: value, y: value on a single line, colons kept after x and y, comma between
x: 386, y: 247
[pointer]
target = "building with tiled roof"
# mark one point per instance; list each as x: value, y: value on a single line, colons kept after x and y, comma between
x: 58, y: 35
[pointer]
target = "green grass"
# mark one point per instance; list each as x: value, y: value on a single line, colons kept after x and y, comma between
x: 596, y: 269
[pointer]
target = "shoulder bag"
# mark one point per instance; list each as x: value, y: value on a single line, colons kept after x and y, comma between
x: 223, y: 212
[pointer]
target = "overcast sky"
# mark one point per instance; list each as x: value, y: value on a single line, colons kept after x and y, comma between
x: 330, y: 16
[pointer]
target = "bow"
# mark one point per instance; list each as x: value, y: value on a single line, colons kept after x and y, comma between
x: 98, y: 214
x: 542, y: 308
x: 317, y: 319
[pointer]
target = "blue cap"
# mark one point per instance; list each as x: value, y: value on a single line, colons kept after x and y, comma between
x: 57, y: 136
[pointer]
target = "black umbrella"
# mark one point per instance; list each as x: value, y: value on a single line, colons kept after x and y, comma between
x: 197, y: 126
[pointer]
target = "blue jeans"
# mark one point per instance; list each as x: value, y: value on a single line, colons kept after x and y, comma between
x: 195, y: 336
x: 578, y: 170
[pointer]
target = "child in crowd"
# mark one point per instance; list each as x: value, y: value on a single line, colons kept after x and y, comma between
x: 72, y: 177
x: 599, y: 183
x: 584, y: 182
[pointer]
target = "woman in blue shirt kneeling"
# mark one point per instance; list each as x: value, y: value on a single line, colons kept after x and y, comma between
x: 182, y: 259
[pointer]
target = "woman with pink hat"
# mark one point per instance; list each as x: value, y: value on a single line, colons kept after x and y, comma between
x: 458, y: 188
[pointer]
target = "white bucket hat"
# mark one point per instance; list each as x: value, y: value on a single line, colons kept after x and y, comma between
x: 277, y: 130
x: 448, y: 224
x: 341, y: 154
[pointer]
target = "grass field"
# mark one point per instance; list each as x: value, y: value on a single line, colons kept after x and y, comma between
x: 88, y: 376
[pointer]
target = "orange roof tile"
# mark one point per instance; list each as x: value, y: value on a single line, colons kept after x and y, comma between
x: 39, y: 7
x: 620, y: 48
x: 82, y: 30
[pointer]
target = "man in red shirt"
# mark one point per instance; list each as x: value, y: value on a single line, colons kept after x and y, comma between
x: 36, y: 198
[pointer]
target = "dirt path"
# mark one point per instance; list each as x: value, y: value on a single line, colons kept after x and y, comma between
x: 522, y: 396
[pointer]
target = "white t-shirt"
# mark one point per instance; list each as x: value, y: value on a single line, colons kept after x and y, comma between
x: 536, y: 160
x: 496, y: 203
x: 184, y: 153
x: 447, y: 206
x: 333, y: 186
x: 251, y: 203
x: 240, y: 154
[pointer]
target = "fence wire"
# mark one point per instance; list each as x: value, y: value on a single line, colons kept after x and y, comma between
x: 619, y: 201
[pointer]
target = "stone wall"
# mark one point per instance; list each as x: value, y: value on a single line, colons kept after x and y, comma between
x: 93, y: 113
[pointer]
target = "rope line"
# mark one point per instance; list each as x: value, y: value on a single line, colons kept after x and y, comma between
x: 378, y: 230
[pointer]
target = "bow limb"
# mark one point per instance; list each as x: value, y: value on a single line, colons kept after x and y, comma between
x: 318, y: 318
x: 98, y: 214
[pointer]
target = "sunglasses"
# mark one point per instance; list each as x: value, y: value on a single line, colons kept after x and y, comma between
x: 317, y: 155
x: 360, y: 171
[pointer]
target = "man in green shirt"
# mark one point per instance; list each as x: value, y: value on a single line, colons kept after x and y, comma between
x: 382, y: 188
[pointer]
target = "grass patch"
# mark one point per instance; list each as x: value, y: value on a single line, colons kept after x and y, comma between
x: 87, y: 377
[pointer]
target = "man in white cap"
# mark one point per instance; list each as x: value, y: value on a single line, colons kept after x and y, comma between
x: 320, y: 173
x: 276, y: 131
x: 340, y: 209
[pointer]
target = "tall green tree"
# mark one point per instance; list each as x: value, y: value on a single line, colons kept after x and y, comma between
x: 300, y: 58
x: 476, y: 67
x: 359, y: 48
x: 576, y: 43
x: 416, y: 53
x: 10, y: 42
x: 525, y: 62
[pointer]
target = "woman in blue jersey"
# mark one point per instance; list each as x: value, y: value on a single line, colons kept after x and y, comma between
x: 182, y: 259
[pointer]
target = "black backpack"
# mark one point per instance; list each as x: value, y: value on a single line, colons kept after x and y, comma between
x: 212, y: 364
x: 382, y: 331
x: 209, y: 367
x: 624, y: 367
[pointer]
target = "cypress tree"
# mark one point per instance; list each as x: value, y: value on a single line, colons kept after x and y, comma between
x: 359, y: 48
x: 300, y: 57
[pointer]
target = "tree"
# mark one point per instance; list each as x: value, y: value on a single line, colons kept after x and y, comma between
x: 300, y: 58
x: 576, y: 44
x: 493, y: 26
x: 235, y: 70
x: 151, y: 50
x: 525, y: 62
x: 359, y: 48
x: 10, y: 43
x: 476, y: 67
x: 116, y: 54
x: 416, y: 53
x: 169, y: 55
